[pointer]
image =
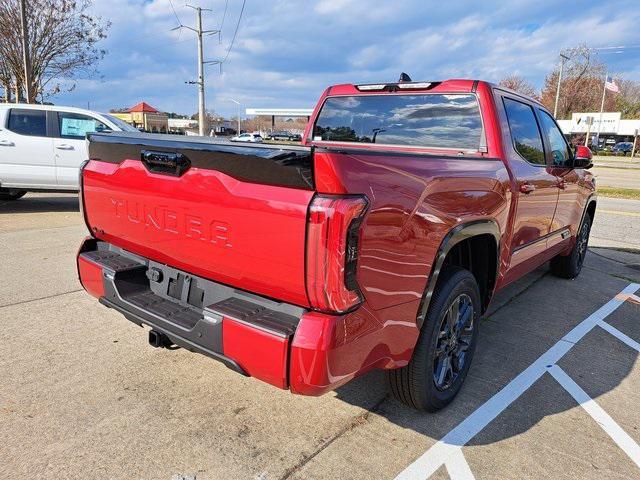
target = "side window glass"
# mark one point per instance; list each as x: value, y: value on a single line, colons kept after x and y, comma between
x: 28, y: 122
x: 559, y: 149
x: 75, y: 125
x: 524, y: 131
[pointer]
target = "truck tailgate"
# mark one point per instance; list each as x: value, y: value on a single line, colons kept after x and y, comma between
x: 236, y: 215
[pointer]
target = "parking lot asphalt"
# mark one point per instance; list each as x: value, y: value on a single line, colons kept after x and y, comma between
x: 82, y: 395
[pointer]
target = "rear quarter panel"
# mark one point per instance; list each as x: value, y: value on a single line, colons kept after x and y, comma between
x: 414, y: 201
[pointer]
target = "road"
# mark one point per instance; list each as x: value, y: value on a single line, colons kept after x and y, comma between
x: 617, y: 177
x: 82, y: 395
x: 617, y: 224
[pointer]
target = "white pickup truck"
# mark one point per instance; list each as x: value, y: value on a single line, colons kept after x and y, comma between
x: 42, y: 146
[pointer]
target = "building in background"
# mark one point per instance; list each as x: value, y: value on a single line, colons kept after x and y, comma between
x: 613, y: 129
x: 303, y: 114
x: 144, y: 117
x: 183, y: 126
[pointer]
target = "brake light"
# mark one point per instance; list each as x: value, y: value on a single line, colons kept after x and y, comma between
x: 332, y: 252
x: 413, y: 85
x: 369, y: 87
x: 392, y: 87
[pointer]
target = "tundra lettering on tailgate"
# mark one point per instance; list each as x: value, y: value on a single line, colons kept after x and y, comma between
x: 171, y: 221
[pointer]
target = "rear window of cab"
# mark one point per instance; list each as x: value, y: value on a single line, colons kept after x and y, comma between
x: 447, y: 121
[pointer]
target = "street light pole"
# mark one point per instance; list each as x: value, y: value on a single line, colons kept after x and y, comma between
x: 563, y: 58
x: 589, y: 121
x: 238, y: 104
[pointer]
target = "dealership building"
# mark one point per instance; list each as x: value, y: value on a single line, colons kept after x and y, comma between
x: 612, y: 129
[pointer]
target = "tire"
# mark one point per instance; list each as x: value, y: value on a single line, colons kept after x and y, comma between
x: 569, y: 266
x: 11, y: 194
x: 422, y: 383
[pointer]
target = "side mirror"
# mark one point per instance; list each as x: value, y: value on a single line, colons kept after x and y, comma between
x: 582, y: 158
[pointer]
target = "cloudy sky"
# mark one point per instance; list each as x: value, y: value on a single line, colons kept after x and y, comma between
x: 287, y: 52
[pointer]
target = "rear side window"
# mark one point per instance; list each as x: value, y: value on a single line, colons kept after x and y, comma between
x: 428, y: 120
x: 524, y: 131
x: 559, y: 148
x: 76, y: 125
x: 28, y: 122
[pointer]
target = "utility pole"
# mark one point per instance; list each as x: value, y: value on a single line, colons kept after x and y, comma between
x: 25, y: 52
x: 201, y: 63
x: 563, y: 58
x: 201, y: 112
x: 238, y: 104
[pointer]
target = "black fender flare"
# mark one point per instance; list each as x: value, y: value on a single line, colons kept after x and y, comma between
x: 456, y: 235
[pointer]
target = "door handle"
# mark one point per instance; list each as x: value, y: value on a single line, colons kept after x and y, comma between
x: 7, y: 143
x: 527, y: 187
x: 64, y: 146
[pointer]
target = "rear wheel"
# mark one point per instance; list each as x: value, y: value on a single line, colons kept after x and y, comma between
x: 569, y: 266
x: 445, y: 347
x: 11, y: 193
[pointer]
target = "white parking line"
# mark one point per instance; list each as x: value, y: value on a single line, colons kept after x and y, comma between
x: 602, y: 418
x: 621, y: 336
x: 442, y: 454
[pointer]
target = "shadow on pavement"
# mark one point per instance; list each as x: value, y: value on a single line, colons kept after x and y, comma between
x: 531, y: 316
x: 41, y: 202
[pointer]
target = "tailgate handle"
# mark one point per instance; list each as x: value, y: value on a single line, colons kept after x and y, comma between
x: 165, y: 163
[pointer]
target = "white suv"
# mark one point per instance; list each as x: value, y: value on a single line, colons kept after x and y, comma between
x: 42, y: 146
x: 247, y: 137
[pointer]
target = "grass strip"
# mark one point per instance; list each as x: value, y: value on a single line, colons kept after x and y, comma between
x: 615, y: 192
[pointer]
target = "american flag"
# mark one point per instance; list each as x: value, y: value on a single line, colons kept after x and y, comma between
x: 609, y: 84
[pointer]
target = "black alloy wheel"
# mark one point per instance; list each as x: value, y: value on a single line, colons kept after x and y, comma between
x: 454, y: 339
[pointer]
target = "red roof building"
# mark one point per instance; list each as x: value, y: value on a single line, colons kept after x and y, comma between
x: 143, y: 107
x: 144, y: 117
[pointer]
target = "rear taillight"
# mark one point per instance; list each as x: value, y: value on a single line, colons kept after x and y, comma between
x: 332, y: 252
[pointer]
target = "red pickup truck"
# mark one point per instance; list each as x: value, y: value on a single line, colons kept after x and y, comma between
x: 377, y: 244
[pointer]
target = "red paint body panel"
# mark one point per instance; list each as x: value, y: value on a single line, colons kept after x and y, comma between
x: 416, y: 197
x: 261, y: 354
x: 409, y: 216
x: 245, y: 235
x: 90, y: 276
x: 328, y: 351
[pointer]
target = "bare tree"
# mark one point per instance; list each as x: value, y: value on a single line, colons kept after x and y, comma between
x: 628, y: 100
x: 582, y: 84
x: 63, y: 40
x: 5, y: 80
x: 519, y: 84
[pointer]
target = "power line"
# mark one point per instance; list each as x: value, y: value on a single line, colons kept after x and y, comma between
x: 175, y: 13
x: 235, y: 32
x: 616, y: 47
x: 224, y: 15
